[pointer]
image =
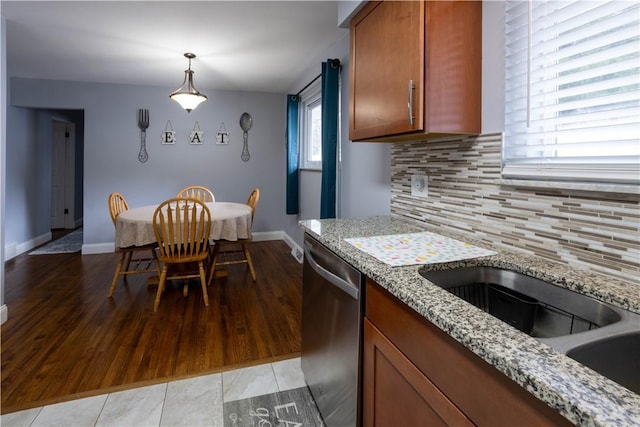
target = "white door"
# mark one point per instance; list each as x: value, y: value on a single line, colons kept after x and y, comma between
x: 70, y: 176
x: 63, y: 175
x: 58, y: 167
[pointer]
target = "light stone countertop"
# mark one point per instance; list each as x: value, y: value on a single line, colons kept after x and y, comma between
x: 582, y: 396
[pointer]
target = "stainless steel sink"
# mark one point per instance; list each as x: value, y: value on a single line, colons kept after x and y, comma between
x: 550, y: 311
x: 601, y: 336
x: 616, y: 357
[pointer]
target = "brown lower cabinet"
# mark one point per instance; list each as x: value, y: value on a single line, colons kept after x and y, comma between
x: 400, y: 394
x: 414, y: 374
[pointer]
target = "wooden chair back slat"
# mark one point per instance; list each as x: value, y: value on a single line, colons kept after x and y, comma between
x: 253, y: 201
x: 117, y: 204
x: 182, y: 227
x: 197, y: 192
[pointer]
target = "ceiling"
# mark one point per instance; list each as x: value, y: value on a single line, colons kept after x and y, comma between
x: 240, y: 45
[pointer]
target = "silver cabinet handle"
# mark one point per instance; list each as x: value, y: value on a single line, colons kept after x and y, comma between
x: 410, y: 103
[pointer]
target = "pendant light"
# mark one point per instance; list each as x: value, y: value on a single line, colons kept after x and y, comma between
x: 187, y: 95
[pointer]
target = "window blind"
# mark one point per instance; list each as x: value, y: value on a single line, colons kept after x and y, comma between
x: 572, y: 90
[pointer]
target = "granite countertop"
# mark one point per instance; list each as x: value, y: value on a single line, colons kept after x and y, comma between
x: 582, y: 396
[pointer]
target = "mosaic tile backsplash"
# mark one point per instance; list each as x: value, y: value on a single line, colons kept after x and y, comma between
x: 586, y: 229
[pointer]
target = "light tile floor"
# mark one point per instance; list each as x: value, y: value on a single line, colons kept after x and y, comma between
x: 191, y: 402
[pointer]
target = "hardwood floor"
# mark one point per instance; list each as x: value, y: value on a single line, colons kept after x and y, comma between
x: 65, y: 339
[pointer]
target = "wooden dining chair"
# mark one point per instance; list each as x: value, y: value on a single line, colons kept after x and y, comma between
x: 142, y: 265
x: 197, y: 192
x: 235, y: 252
x: 182, y: 227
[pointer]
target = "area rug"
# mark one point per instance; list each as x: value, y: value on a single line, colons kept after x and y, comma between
x: 69, y: 243
x: 293, y: 407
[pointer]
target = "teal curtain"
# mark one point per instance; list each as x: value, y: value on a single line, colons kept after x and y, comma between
x: 292, y: 155
x: 330, y: 101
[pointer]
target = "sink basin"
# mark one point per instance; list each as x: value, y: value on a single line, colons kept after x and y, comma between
x: 601, y: 336
x: 616, y: 357
x: 538, y: 308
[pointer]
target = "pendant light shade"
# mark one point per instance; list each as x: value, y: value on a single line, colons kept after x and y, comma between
x: 187, y: 95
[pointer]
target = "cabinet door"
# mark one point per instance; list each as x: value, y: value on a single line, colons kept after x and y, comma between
x: 485, y: 395
x: 398, y: 393
x: 387, y: 69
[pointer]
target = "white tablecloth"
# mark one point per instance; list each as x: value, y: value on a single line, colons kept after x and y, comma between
x: 229, y: 221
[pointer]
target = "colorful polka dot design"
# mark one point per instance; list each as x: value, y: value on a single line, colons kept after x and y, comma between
x: 417, y: 248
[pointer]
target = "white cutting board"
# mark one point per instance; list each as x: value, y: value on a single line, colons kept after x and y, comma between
x: 417, y: 248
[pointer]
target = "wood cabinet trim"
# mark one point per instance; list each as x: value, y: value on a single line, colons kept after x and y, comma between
x: 447, y: 98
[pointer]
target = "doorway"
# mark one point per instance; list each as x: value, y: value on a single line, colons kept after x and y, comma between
x: 63, y: 155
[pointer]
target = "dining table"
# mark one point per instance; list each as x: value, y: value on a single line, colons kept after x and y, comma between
x: 229, y: 221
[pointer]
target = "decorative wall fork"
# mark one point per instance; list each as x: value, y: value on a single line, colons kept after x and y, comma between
x: 143, y: 124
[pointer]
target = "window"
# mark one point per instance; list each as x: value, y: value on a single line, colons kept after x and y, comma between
x: 572, y: 91
x: 311, y: 128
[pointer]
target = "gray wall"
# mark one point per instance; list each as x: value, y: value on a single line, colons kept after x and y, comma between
x: 23, y: 173
x: 112, y: 140
x: 347, y: 9
x: 492, y: 66
x: 3, y: 134
x: 28, y: 174
x: 365, y: 182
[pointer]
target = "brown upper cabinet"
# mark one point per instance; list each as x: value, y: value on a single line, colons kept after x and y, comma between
x: 415, y: 70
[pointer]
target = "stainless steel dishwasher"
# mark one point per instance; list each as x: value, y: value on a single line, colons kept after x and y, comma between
x: 331, y: 330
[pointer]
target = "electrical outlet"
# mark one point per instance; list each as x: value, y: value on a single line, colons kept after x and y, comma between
x: 419, y: 185
x: 297, y: 254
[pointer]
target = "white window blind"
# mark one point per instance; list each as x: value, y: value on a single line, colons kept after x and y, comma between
x: 311, y: 127
x: 572, y: 91
x: 312, y: 150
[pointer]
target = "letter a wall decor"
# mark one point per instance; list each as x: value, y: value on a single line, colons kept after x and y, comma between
x: 196, y: 137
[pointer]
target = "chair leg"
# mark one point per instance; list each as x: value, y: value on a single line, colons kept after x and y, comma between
x: 154, y: 255
x: 203, y: 283
x: 163, y: 278
x: 216, y: 253
x: 112, y: 289
x: 127, y: 262
x: 245, y: 248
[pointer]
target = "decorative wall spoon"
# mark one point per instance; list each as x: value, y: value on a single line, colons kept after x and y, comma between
x: 245, y: 124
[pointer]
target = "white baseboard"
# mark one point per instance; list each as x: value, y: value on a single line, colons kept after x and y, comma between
x: 98, y: 248
x: 263, y: 236
x: 108, y: 247
x: 296, y: 250
x: 12, y: 250
x: 4, y: 313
